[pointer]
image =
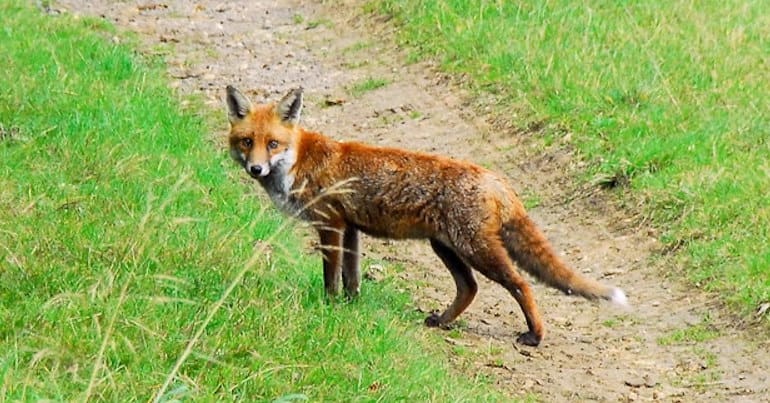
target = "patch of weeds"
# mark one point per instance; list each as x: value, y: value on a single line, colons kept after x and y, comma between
x: 355, y: 64
x: 462, y: 351
x: 367, y: 85
x: 319, y: 22
x: 709, y: 357
x: 161, y: 49
x: 699, y: 372
x: 494, y: 350
x: 389, y: 120
x: 455, y: 333
x: 704, y: 379
x: 485, y: 379
x: 357, y: 47
x: 531, y: 200
x: 697, y: 333
x: 396, y: 267
x: 497, y: 363
x: 413, y: 57
x: 211, y: 53
x: 611, y: 323
x: 299, y: 19
x: 9, y: 133
x: 292, y: 397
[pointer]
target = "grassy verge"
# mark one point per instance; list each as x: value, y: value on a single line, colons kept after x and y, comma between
x: 665, y: 98
x: 127, y: 240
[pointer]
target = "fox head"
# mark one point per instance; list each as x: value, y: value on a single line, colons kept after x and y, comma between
x: 262, y: 137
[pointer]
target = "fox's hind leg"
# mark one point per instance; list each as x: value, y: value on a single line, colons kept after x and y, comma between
x: 490, y: 257
x: 351, y: 269
x: 466, y: 285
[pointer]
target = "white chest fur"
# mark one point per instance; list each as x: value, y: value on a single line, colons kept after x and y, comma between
x: 278, y: 184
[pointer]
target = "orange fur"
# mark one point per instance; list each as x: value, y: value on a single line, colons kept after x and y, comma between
x: 471, y: 215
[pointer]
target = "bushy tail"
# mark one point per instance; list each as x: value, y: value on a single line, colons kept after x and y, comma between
x: 533, y: 253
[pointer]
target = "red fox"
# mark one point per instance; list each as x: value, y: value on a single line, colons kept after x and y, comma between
x: 471, y: 216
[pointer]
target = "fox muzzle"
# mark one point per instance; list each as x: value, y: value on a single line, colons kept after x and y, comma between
x: 257, y: 170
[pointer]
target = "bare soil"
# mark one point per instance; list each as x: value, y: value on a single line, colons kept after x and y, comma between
x: 591, y: 351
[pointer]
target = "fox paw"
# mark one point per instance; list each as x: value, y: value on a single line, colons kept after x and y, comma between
x: 351, y: 296
x: 433, y: 320
x: 529, y: 339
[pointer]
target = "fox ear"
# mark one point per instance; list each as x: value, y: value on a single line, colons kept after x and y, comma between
x: 290, y: 106
x: 238, y: 105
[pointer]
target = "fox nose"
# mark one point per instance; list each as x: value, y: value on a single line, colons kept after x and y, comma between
x: 255, y: 170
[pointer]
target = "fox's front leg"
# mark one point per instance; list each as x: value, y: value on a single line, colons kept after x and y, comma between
x: 351, y: 270
x: 331, y: 247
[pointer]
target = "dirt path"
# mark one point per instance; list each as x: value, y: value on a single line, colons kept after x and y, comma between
x: 591, y: 351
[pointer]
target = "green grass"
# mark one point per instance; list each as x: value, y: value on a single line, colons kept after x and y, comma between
x: 667, y: 99
x: 136, y: 261
x: 369, y: 84
x: 693, y: 334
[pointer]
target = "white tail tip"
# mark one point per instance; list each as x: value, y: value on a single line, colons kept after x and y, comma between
x: 619, y: 297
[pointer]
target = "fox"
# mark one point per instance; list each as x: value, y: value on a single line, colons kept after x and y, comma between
x: 471, y: 216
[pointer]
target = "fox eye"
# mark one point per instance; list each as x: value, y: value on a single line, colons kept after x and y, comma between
x: 247, y: 142
x: 272, y: 145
